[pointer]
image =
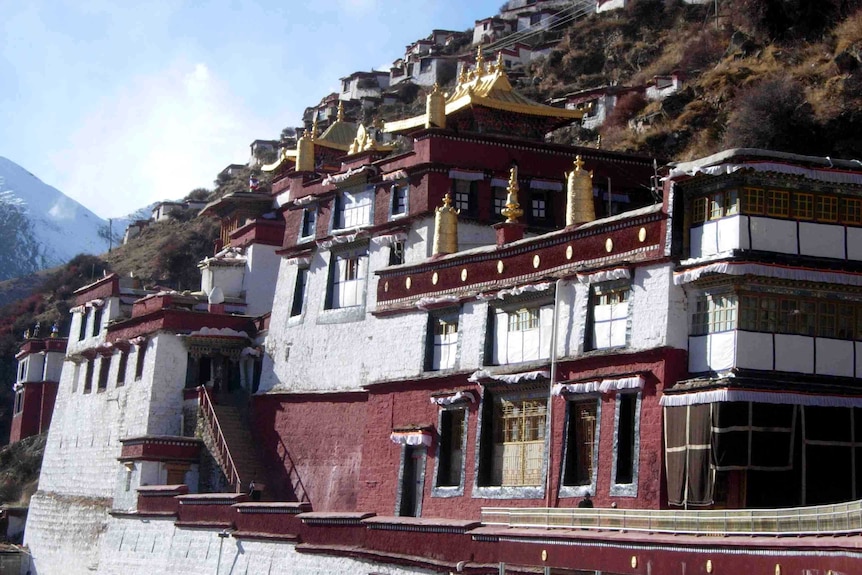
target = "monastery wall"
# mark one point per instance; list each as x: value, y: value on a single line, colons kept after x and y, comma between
x: 261, y: 274
x: 152, y: 546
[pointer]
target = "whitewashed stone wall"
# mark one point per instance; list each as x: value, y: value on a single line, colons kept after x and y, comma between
x: 260, y: 277
x: 153, y: 546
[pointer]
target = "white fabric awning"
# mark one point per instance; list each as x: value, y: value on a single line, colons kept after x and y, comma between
x: 299, y: 261
x: 410, y: 438
x: 396, y: 175
x: 600, y: 385
x: 389, y: 239
x: 546, y: 185
x: 605, y: 276
x: 454, y: 399
x: 509, y: 377
x: 517, y: 290
x: 499, y: 183
x: 466, y: 175
x: 765, y: 270
x: 780, y: 397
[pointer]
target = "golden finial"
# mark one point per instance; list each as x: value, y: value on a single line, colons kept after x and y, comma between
x: 463, y: 77
x: 480, y: 62
x: 579, y: 163
x: 435, y: 108
x: 513, y: 210
x: 314, y: 129
x: 435, y: 89
x: 339, y: 116
x: 599, y: 142
x: 501, y: 66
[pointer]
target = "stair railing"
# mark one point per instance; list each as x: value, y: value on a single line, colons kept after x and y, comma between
x: 293, y: 474
x: 222, y: 454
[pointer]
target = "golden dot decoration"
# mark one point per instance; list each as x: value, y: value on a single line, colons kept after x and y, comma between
x: 569, y: 252
x: 435, y: 278
x: 537, y: 261
x: 386, y: 287
x: 777, y: 569
x: 634, y: 561
x: 464, y: 274
x: 408, y: 282
x: 609, y: 245
x: 544, y: 554
x: 500, y: 266
x: 642, y: 235
x: 709, y: 565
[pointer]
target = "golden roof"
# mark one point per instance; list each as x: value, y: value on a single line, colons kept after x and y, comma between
x: 487, y: 86
x: 284, y: 156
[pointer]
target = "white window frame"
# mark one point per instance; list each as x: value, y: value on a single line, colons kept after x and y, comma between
x: 305, y: 214
x: 393, y: 202
x: 609, y: 319
x: 443, y: 337
x: 353, y: 209
x: 522, y: 333
x: 347, y: 278
x: 626, y: 489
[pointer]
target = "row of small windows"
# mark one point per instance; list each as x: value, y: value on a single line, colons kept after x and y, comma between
x: 96, y: 325
x: 778, y: 204
x: 355, y: 208
x: 777, y: 314
x: 512, y: 450
x: 104, y: 362
x: 524, y: 333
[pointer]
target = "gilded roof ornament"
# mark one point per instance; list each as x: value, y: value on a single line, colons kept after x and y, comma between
x: 315, y: 130
x: 513, y: 210
x: 445, y: 228
x: 362, y: 142
x: 339, y: 116
x: 480, y: 62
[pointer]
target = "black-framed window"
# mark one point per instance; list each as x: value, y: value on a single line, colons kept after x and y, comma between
x: 104, y: 367
x: 299, y: 290
x: 400, y: 195
x: 82, y: 329
x: 624, y: 471
x: 465, y: 197
x: 452, y: 447
x: 499, y: 198
x: 540, y: 206
x: 121, y: 368
x: 581, y: 442
x: 97, y: 320
x: 309, y: 222
x: 354, y: 208
x: 88, y: 376
x: 396, y: 253
x: 139, y: 360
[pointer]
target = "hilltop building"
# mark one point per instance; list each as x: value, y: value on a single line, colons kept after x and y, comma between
x: 40, y: 360
x: 476, y: 352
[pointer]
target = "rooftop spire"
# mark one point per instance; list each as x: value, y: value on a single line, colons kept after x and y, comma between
x: 339, y: 117
x: 513, y: 210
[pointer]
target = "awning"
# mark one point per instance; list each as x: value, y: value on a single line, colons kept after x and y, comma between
x: 420, y: 437
x: 769, y: 271
x: 546, y: 185
x: 466, y: 175
x: 456, y: 398
x: 600, y: 385
x: 775, y: 397
x: 509, y: 377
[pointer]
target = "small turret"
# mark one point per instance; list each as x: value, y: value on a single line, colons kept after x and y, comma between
x: 513, y: 210
x: 446, y: 228
x: 579, y: 197
x: 435, y: 108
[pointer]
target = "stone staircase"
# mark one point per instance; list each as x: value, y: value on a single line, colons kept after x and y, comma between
x: 233, y: 446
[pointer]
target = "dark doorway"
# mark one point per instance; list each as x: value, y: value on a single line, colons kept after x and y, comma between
x: 412, y: 480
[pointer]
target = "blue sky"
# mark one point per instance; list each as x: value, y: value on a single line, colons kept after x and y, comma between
x: 119, y: 104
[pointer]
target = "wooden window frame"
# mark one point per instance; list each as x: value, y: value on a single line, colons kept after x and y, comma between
x: 778, y: 203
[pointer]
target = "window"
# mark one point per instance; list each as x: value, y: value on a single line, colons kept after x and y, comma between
x: 451, y: 447
x: 97, y: 321
x: 581, y: 443
x: 299, y: 292
x: 121, y: 368
x: 850, y: 211
x: 540, y: 206
x: 347, y: 279
x: 22, y: 370
x: 88, y: 376
x: 353, y: 209
x: 519, y: 442
x: 716, y: 206
x: 82, y: 329
x: 400, y: 193
x: 464, y: 197
x: 802, y: 316
x: 803, y: 206
x: 827, y: 208
x: 609, y: 312
x: 625, y: 440
x: 778, y: 203
x: 424, y: 64
x: 19, y: 402
x: 500, y: 195
x: 522, y: 334
x: 714, y: 313
x: 396, y: 253
x: 443, y: 342
x: 309, y: 222
x: 753, y: 201
x: 139, y: 360
x: 104, y: 367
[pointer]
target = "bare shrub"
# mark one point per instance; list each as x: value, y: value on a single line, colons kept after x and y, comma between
x: 628, y: 105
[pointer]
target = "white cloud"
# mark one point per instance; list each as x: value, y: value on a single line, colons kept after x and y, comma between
x: 158, y: 138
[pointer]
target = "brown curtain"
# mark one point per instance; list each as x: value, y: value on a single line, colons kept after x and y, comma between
x: 687, y: 454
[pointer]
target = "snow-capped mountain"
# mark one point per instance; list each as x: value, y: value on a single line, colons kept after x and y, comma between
x: 41, y: 227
